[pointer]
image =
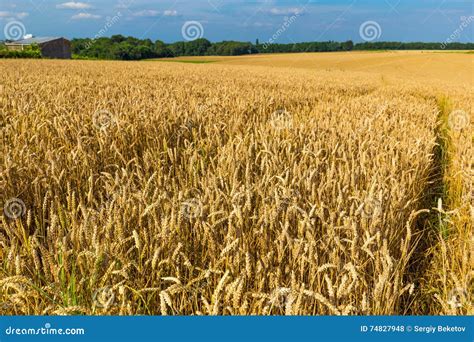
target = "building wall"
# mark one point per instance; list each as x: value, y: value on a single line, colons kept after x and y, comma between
x: 15, y: 47
x: 59, y: 48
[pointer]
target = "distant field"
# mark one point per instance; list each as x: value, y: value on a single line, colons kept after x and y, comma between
x: 449, y: 66
x: 297, y: 184
x: 179, y: 60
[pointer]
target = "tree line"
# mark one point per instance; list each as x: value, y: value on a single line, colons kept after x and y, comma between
x: 129, y: 48
x: 119, y: 47
x: 413, y: 46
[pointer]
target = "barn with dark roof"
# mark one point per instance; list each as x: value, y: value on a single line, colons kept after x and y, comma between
x: 51, y: 47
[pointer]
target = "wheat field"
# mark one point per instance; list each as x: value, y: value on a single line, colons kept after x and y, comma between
x: 224, y: 189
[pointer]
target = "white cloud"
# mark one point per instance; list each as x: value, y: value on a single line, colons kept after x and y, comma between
x: 170, y: 13
x: 74, y: 5
x: 154, y: 13
x: 13, y: 15
x: 257, y: 24
x: 22, y: 15
x: 81, y: 16
x: 286, y: 11
x: 147, y: 13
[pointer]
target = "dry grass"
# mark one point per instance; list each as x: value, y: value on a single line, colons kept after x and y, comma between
x: 164, y: 188
x: 448, y: 281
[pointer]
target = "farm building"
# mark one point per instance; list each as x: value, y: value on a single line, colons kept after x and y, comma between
x: 51, y: 47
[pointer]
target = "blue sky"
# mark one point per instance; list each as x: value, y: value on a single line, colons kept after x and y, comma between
x: 400, y: 20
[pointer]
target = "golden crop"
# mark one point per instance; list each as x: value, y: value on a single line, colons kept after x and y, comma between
x: 165, y: 188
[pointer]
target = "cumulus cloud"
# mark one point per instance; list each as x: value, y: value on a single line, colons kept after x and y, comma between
x: 21, y: 15
x: 170, y: 13
x: 122, y: 5
x: 257, y: 24
x: 13, y: 15
x: 81, y: 16
x: 147, y: 13
x: 74, y: 5
x: 287, y: 11
x: 153, y: 13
